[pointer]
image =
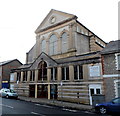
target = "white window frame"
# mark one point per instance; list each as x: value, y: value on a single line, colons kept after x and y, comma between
x: 116, y: 87
x: 116, y: 59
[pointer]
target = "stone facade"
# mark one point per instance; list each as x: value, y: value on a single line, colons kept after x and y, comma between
x: 62, y: 62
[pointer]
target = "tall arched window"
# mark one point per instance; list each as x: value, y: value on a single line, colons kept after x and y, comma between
x: 43, y: 46
x: 64, y: 42
x: 53, y: 45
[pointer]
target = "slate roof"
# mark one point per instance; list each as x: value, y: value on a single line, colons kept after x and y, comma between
x: 8, y: 61
x: 111, y: 47
x: 78, y: 58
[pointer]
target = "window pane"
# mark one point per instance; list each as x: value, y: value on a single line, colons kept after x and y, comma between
x: 80, y: 72
x: 64, y: 43
x: 53, y: 45
x: 75, y: 73
x: 118, y: 61
x: 97, y: 91
x: 63, y: 74
x: 43, y: 46
x: 67, y: 73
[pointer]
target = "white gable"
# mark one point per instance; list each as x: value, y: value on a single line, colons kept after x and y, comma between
x: 54, y: 17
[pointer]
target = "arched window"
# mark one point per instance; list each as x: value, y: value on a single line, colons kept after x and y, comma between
x: 42, y: 71
x: 43, y: 46
x: 64, y: 42
x: 53, y: 45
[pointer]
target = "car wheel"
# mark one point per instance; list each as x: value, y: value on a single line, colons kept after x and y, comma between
x: 7, y: 96
x: 102, y: 110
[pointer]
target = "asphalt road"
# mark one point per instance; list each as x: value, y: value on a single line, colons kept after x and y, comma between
x: 12, y: 107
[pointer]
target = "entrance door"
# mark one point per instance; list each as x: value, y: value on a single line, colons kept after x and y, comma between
x: 31, y: 90
x: 42, y: 91
x: 94, y: 89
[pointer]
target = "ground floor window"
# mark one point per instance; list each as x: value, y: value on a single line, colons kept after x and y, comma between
x: 117, y: 88
x: 78, y: 72
x: 65, y: 73
x: 32, y: 75
x: 18, y: 76
x: 24, y: 75
x: 54, y: 73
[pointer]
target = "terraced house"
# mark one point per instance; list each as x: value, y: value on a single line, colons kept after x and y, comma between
x: 64, y: 63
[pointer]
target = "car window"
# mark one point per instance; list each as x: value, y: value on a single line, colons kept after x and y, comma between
x: 116, y: 100
x: 12, y: 91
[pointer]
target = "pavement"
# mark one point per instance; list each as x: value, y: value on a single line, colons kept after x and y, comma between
x: 58, y: 103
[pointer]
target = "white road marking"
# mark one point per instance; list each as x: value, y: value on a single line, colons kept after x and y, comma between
x: 69, y: 110
x: 44, y: 105
x: 37, y: 114
x: 6, y: 106
x: 87, y: 112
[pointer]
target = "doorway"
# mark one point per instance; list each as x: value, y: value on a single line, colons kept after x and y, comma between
x: 94, y: 89
x: 42, y: 91
x: 31, y: 90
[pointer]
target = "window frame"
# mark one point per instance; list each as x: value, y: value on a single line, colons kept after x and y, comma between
x: 117, y: 58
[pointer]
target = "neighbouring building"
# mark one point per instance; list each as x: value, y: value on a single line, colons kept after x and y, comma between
x: 5, y: 69
x: 64, y: 63
x: 111, y: 69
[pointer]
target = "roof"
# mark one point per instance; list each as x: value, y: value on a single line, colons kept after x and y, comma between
x: 8, y: 61
x: 111, y: 47
x: 79, y: 58
x: 60, y: 17
x: 24, y: 66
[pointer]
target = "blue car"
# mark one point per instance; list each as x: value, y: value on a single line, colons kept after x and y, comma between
x: 112, y: 107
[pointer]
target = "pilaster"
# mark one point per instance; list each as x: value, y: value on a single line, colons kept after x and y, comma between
x: 36, y: 75
x: 21, y: 76
x: 28, y: 76
x: 59, y: 74
x: 71, y: 72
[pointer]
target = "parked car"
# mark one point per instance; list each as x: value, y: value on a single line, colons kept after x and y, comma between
x: 112, y: 107
x: 8, y: 93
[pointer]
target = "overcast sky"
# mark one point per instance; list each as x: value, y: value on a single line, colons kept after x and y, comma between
x: 20, y: 18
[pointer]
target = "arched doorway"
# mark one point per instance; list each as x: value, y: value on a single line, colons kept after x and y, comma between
x: 42, y: 71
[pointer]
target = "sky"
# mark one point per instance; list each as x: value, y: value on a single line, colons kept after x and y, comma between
x: 20, y: 18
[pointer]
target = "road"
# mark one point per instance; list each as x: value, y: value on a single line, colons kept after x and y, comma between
x: 23, y: 108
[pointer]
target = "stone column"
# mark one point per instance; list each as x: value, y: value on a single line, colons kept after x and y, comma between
x: 59, y: 73
x: 21, y: 76
x: 71, y: 72
x: 85, y: 72
x: 28, y: 76
x: 36, y: 75
x: 15, y: 76
x: 36, y: 91
x: 48, y: 74
x: 48, y: 91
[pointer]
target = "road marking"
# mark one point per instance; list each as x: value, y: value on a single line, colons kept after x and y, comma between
x: 69, y: 110
x: 87, y: 112
x: 44, y: 105
x: 6, y: 106
x: 37, y: 114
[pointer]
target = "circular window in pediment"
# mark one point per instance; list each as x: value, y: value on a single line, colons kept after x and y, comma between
x: 52, y: 19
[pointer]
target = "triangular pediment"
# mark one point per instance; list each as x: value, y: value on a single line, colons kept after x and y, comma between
x: 43, y: 57
x: 54, y: 17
